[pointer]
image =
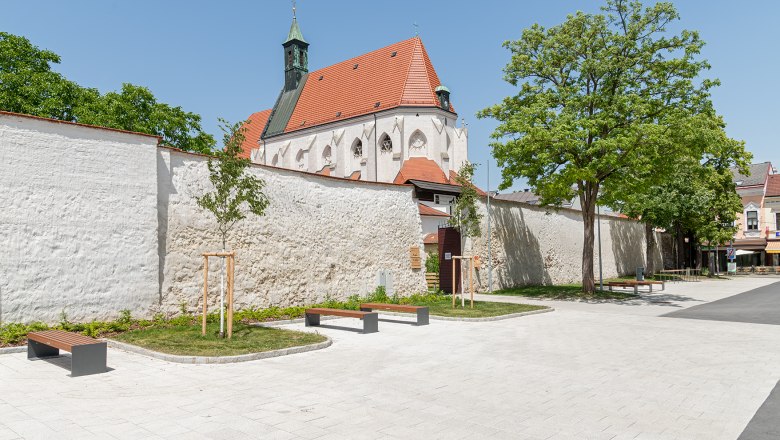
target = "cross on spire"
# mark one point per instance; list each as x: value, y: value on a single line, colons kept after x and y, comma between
x: 416, y: 29
x: 293, y: 3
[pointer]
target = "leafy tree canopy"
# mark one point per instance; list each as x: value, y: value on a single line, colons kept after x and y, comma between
x: 465, y: 217
x: 236, y: 193
x: 29, y: 85
x: 599, y: 97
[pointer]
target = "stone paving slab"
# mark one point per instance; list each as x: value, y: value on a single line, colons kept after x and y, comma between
x: 587, y: 371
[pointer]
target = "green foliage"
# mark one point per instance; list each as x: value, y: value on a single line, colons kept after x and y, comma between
x: 432, y: 262
x: 136, y: 109
x: 29, y: 85
x: 233, y: 188
x: 600, y: 100
x: 465, y: 217
x: 125, y: 317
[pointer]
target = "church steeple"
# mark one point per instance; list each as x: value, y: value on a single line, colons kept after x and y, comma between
x: 296, y: 56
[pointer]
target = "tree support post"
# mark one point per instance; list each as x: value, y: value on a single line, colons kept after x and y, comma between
x: 230, y: 263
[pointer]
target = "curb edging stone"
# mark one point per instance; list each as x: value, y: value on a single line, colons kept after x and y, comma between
x: 218, y: 359
x: 9, y: 350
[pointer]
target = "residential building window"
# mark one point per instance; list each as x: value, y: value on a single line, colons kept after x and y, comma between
x: 752, y: 220
x: 777, y: 221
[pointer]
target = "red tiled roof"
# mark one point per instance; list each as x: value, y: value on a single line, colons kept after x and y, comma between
x: 253, y: 131
x: 432, y: 238
x: 408, y: 78
x: 420, y: 168
x: 427, y: 210
x: 355, y: 176
x: 325, y: 171
x: 773, y: 185
x: 454, y: 181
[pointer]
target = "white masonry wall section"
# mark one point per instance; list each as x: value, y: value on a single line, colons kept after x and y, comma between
x: 78, y: 221
x: 95, y: 221
x: 321, y: 237
x: 530, y: 245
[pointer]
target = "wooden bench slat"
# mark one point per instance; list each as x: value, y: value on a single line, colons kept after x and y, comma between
x: 60, y: 339
x: 338, y: 312
x: 396, y: 307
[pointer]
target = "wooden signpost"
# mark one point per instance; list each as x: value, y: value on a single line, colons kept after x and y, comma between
x: 230, y: 267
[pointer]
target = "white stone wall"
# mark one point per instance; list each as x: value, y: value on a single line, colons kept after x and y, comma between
x: 533, y: 246
x: 320, y: 236
x: 303, y: 150
x: 78, y: 224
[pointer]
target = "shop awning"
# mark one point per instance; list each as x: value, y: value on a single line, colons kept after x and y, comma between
x: 744, y: 252
x: 773, y: 247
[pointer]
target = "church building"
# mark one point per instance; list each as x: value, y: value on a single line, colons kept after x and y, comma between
x: 383, y: 116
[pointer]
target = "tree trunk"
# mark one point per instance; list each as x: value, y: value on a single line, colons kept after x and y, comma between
x: 652, y: 245
x: 681, y: 260
x: 588, y: 204
x: 698, y: 253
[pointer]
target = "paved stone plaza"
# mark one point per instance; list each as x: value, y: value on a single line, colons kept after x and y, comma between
x: 585, y: 371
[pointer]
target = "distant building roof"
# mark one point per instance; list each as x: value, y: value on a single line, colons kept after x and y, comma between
x: 773, y: 185
x: 432, y: 238
x: 520, y: 196
x: 758, y: 175
x: 427, y: 210
x: 397, y: 75
x: 253, y: 131
x: 421, y: 168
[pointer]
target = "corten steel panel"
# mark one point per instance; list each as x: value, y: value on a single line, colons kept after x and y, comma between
x: 449, y: 241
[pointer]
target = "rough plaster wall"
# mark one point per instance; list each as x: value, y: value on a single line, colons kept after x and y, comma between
x: 531, y: 246
x: 319, y: 237
x: 78, y: 224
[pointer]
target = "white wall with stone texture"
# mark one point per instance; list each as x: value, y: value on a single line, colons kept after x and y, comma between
x: 78, y: 221
x: 320, y: 237
x: 531, y: 245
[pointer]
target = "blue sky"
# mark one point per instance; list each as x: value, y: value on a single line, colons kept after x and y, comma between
x: 224, y: 59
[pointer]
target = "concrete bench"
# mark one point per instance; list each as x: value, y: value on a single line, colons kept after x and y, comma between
x: 370, y: 319
x: 88, y: 354
x: 420, y: 311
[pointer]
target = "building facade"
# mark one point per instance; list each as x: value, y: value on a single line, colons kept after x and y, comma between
x: 757, y: 224
x: 362, y: 118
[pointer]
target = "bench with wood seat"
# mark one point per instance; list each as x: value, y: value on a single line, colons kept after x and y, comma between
x: 88, y: 355
x: 420, y: 311
x: 635, y: 284
x: 370, y: 319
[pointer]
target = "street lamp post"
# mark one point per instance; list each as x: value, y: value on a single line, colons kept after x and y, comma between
x: 489, y: 237
x: 601, y: 273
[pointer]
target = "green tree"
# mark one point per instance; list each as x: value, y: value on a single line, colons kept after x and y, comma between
x: 598, y: 97
x: 236, y: 192
x: 29, y: 85
x: 136, y: 109
x: 696, y: 196
x: 465, y: 217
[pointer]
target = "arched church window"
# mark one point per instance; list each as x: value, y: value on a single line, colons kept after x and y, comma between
x: 386, y: 144
x: 327, y: 155
x: 417, y: 140
x: 357, y: 148
x: 299, y: 159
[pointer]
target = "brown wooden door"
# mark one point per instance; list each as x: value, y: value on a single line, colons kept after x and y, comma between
x: 449, y: 246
